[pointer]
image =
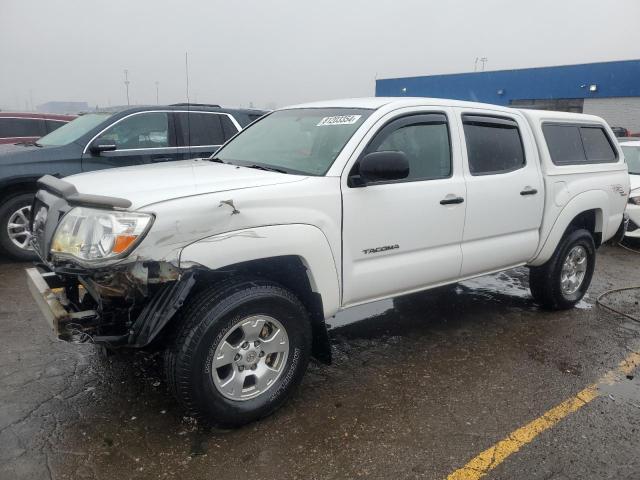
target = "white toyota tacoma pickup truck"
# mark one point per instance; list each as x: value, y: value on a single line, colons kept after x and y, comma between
x: 234, y: 263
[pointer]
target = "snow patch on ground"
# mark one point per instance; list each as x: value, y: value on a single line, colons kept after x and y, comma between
x: 497, y: 283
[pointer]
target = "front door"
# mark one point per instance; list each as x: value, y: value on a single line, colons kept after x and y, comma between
x: 405, y: 235
x: 505, y: 196
x: 140, y: 138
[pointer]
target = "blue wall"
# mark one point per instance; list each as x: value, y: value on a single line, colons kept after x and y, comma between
x: 614, y: 79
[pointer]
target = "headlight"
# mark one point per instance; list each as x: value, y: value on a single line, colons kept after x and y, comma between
x: 92, y: 234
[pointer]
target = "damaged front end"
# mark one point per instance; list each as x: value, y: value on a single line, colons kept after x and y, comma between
x: 125, y: 306
x: 124, y: 302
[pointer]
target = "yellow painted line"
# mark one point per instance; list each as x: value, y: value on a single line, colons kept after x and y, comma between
x: 493, y: 456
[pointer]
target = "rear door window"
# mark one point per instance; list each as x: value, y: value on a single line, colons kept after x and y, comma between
x: 200, y: 129
x: 494, y: 144
x: 576, y: 144
x: 228, y: 127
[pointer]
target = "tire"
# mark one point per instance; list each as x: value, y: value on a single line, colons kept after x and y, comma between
x: 209, y: 325
x: 9, y: 211
x: 546, y: 281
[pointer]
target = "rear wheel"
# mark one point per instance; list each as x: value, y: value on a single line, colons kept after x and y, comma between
x: 14, y: 227
x: 564, y: 279
x: 240, y: 351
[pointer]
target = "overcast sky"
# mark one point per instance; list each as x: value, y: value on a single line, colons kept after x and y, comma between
x: 286, y: 51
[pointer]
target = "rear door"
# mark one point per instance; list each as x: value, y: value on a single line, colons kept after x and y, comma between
x: 141, y: 138
x: 505, y: 197
x: 200, y: 134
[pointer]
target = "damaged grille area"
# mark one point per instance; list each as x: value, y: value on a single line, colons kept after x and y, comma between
x: 126, y: 306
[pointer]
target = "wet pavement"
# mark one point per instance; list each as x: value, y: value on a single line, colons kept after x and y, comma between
x: 415, y: 391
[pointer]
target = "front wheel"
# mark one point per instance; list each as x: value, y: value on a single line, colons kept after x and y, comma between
x: 241, y: 349
x: 562, y: 282
x: 14, y: 227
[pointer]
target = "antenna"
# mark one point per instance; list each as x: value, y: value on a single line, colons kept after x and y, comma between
x: 157, y: 92
x: 186, y: 70
x: 126, y: 83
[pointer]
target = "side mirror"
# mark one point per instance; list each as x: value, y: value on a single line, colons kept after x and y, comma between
x: 380, y: 167
x: 101, y: 145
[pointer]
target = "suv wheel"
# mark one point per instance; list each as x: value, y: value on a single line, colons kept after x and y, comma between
x: 564, y: 279
x: 14, y: 227
x: 240, y: 350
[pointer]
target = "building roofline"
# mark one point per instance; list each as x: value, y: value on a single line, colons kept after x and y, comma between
x: 633, y: 60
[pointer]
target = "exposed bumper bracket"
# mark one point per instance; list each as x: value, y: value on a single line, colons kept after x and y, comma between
x: 47, y: 291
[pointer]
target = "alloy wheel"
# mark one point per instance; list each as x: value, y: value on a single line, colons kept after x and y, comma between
x: 574, y: 270
x: 18, y: 228
x: 250, y: 358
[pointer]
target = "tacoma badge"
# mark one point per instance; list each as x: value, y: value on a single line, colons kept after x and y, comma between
x: 367, y: 251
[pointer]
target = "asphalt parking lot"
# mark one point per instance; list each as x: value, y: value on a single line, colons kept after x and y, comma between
x: 417, y: 391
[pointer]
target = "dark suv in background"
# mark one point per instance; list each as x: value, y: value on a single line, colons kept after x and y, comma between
x: 25, y: 127
x: 141, y: 135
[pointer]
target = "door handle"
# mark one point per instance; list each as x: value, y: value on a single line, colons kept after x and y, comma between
x: 528, y: 191
x: 451, y: 200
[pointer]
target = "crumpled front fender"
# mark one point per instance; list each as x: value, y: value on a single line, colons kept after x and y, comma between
x: 304, y: 241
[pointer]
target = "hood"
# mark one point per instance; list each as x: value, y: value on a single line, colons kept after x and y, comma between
x: 147, y: 184
x: 9, y: 151
x: 634, y: 181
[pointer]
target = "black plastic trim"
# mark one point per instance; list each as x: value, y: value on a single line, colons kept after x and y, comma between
x: 162, y: 307
x: 71, y: 195
x: 489, y: 120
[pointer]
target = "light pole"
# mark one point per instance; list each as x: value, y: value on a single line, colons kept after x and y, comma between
x: 126, y: 83
x: 157, y: 92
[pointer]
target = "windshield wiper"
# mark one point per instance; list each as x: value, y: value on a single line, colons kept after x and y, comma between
x: 217, y: 160
x: 266, y: 168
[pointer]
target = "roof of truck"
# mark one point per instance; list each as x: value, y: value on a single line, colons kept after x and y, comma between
x: 374, y: 103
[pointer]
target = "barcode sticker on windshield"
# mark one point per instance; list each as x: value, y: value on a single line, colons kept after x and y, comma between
x: 339, y: 120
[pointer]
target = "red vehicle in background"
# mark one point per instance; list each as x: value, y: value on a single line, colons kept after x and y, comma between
x: 26, y: 127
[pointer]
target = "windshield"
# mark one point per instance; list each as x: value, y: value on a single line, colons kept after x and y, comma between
x: 73, y: 130
x: 632, y: 156
x: 305, y: 140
